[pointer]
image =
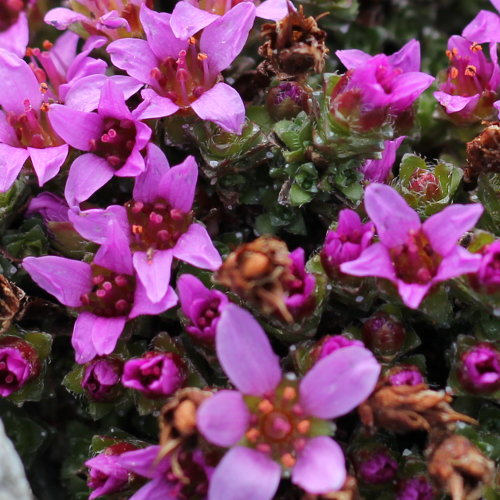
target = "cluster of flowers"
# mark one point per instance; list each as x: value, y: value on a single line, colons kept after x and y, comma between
x: 95, y: 132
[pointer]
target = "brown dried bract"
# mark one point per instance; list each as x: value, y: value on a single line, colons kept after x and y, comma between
x: 294, y: 47
x: 458, y: 467
x: 406, y: 408
x: 348, y: 492
x: 258, y: 272
x: 483, y: 152
x: 12, y: 303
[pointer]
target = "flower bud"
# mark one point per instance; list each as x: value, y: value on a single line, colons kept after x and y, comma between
x: 417, y: 488
x: 479, y: 369
x: 405, y: 375
x: 156, y: 374
x: 379, y: 468
x: 287, y: 100
x: 383, y: 333
x: 489, y: 270
x: 19, y: 363
x: 106, y: 476
x: 333, y: 343
x: 101, y: 377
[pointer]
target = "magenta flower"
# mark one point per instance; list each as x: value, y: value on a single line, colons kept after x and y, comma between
x: 111, y: 19
x: 414, y: 256
x: 380, y: 84
x: 300, y: 299
x: 480, y: 368
x: 489, y: 271
x: 106, y: 475
x: 184, y: 73
x: 336, y: 342
x: 201, y: 306
x: 156, y: 226
x: 163, y: 483
x: 407, y: 376
x: 378, y: 469
x: 14, y: 29
x: 15, y: 370
x: 112, y: 136
x: 417, y: 488
x: 471, y: 83
x: 156, y: 374
x: 380, y: 170
x: 101, y: 377
x: 346, y: 242
x: 275, y: 424
x: 485, y: 27
x: 106, y: 297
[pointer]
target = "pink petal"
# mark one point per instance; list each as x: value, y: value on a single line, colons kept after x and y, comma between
x: 222, y: 105
x: 87, y: 174
x: 187, y: 20
x: 243, y: 474
x: 374, y: 261
x: 455, y: 103
x: 224, y: 39
x: 224, y: 418
x: 147, y: 184
x: 115, y: 253
x: 191, y: 288
x: 178, y: 185
x: 105, y: 333
x: 352, y: 58
x: 320, y: 467
x: 196, y: 248
x: 154, y: 273
x: 82, y: 338
x: 48, y: 161
x: 144, y: 306
x: 15, y: 38
x: 390, y: 213
x: 154, y: 106
x: 408, y: 57
x: 135, y: 57
x: 456, y: 263
x: 143, y: 462
x: 160, y: 35
x: 412, y: 294
x: 11, y: 162
x: 245, y: 353
x: 18, y: 84
x: 446, y: 227
x: 7, y: 132
x: 274, y: 10
x: 485, y: 27
x: 66, y: 279
x: 61, y: 18
x: 339, y: 382
x: 160, y: 488
x: 112, y: 102
x: 84, y: 126
x: 133, y: 166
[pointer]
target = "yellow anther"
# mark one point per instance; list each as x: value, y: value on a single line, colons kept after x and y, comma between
x: 43, y: 87
x: 137, y: 229
x: 303, y: 426
x: 453, y: 72
x: 475, y: 47
x: 289, y: 393
x: 288, y: 460
x: 265, y: 406
x: 192, y: 40
x: 252, y: 434
x: 470, y: 70
x: 202, y: 56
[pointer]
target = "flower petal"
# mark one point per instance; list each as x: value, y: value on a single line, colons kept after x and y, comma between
x: 115, y: 253
x: 112, y: 102
x: 178, y: 185
x: 339, y: 382
x: 352, y: 58
x: 245, y: 353
x: 16, y: 37
x: 455, y: 103
x: 160, y: 488
x: 222, y: 105
x: 66, y: 279
x: 320, y: 467
x: 154, y: 272
x: 147, y: 184
x: 187, y: 20
x: 144, y: 462
x: 485, y: 27
x: 390, y: 213
x: 374, y: 261
x: 244, y: 473
x: 87, y: 174
x: 224, y: 418
x: 82, y: 338
x: 61, y: 18
x: 48, y: 161
x: 446, y: 227
x: 11, y: 163
x: 105, y: 333
x: 458, y: 262
x: 196, y: 248
x: 142, y: 304
x: 154, y: 106
x: 412, y: 294
x: 274, y: 10
x: 190, y: 288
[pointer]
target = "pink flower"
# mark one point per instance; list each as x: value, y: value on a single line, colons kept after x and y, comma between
x: 300, y: 300
x: 274, y: 423
x: 156, y: 226
x: 489, y: 271
x: 480, y: 368
x: 414, y: 256
x: 380, y: 170
x: 107, y: 297
x: 485, y: 27
x: 184, y: 73
x: 15, y: 369
x: 201, y: 306
x: 101, y: 377
x: 380, y: 468
x: 156, y: 374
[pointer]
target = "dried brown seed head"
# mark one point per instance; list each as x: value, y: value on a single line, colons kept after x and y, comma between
x: 12, y: 303
x: 483, y: 152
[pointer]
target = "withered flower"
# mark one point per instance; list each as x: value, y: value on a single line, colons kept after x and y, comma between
x: 458, y: 467
x: 483, y: 152
x: 12, y: 303
x: 403, y: 408
x: 294, y: 47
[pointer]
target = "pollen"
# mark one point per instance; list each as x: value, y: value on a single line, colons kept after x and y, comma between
x: 252, y: 435
x: 202, y: 56
x: 265, y: 406
x: 43, y: 87
x: 136, y: 229
x: 475, y: 47
x: 453, y: 72
x: 289, y: 393
x: 470, y: 70
x: 303, y: 426
x: 288, y: 460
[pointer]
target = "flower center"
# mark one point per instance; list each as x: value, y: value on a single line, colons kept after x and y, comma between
x: 211, y: 311
x: 184, y: 79
x: 385, y: 76
x: 116, y: 142
x: 415, y: 261
x: 279, y: 426
x: 112, y: 294
x: 156, y: 226
x: 7, y: 378
x: 9, y: 12
x: 32, y: 127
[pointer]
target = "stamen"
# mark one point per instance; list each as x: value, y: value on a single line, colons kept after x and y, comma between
x: 304, y: 426
x: 289, y: 393
x: 265, y: 406
x: 470, y: 70
x: 252, y: 434
x: 288, y: 460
